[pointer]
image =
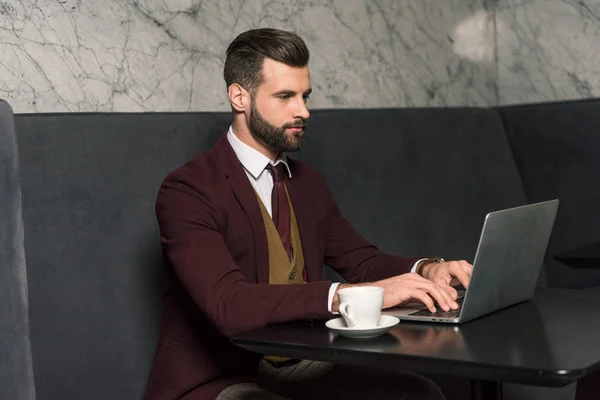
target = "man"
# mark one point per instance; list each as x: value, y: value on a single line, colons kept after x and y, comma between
x: 245, y: 231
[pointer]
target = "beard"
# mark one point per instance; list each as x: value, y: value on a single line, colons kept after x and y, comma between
x: 275, y: 137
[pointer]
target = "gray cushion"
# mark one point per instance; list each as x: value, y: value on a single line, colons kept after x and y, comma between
x: 412, y: 181
x: 556, y: 147
x: 93, y: 254
x: 16, y: 372
x: 416, y: 181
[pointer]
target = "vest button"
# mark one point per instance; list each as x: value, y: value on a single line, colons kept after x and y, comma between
x: 292, y: 276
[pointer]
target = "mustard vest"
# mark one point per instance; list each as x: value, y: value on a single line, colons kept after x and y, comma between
x: 282, y: 270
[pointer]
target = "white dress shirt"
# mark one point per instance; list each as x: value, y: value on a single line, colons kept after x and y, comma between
x: 255, y: 163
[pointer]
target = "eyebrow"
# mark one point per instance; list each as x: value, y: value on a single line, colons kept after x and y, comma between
x: 291, y: 92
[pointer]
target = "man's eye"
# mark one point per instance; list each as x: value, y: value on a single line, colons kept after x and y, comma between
x: 306, y: 97
x: 284, y: 97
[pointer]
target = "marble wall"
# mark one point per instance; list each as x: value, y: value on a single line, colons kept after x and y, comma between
x: 157, y: 55
x: 547, y: 50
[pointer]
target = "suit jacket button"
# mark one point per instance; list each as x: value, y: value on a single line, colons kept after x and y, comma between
x: 292, y: 275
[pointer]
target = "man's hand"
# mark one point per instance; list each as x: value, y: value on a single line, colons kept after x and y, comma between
x: 448, y: 274
x: 407, y: 288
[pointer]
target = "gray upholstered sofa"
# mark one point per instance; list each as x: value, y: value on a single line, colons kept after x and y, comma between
x: 80, y: 188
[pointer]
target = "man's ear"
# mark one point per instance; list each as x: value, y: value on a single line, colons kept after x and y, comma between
x: 238, y: 97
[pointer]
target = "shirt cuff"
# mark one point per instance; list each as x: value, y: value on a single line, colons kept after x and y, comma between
x: 332, y: 290
x: 414, y: 267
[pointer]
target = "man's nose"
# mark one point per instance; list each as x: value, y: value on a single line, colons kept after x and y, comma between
x: 301, y: 110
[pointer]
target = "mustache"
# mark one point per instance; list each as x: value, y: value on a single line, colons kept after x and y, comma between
x: 298, y: 124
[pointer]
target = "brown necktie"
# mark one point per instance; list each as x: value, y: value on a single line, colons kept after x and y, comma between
x: 280, y: 206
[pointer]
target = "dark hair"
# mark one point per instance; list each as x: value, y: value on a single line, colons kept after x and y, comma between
x: 246, y: 53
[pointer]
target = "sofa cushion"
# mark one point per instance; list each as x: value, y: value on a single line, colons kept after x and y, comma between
x: 412, y: 181
x: 92, y: 243
x: 16, y: 371
x: 556, y: 147
x: 416, y: 181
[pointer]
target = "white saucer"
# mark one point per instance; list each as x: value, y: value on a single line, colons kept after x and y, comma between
x: 339, y: 326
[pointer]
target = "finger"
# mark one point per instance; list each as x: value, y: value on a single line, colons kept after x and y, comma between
x: 438, y: 292
x: 450, y: 290
x: 439, y: 295
x: 459, y: 273
x: 468, y: 268
x: 445, y: 282
x: 421, y: 295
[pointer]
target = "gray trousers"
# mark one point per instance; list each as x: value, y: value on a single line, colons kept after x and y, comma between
x: 314, y: 380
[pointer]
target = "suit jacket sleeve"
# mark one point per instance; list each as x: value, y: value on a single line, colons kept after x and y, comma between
x: 352, y: 255
x: 190, y: 236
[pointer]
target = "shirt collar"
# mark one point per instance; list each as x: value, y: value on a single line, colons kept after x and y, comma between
x: 253, y: 160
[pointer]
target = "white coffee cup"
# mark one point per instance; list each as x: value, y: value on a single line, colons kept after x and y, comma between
x: 361, y: 306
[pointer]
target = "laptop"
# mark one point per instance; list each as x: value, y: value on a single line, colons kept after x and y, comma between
x: 507, y: 264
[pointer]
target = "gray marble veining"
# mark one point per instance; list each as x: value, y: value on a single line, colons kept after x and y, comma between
x: 156, y: 55
x: 548, y: 50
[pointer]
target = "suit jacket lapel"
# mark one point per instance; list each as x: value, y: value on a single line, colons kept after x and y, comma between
x: 246, y: 196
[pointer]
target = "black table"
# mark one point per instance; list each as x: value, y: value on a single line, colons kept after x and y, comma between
x: 552, y: 340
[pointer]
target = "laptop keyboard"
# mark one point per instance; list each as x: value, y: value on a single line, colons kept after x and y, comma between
x: 440, y: 313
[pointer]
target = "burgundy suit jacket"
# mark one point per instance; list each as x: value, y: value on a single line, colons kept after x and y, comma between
x: 217, y: 261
